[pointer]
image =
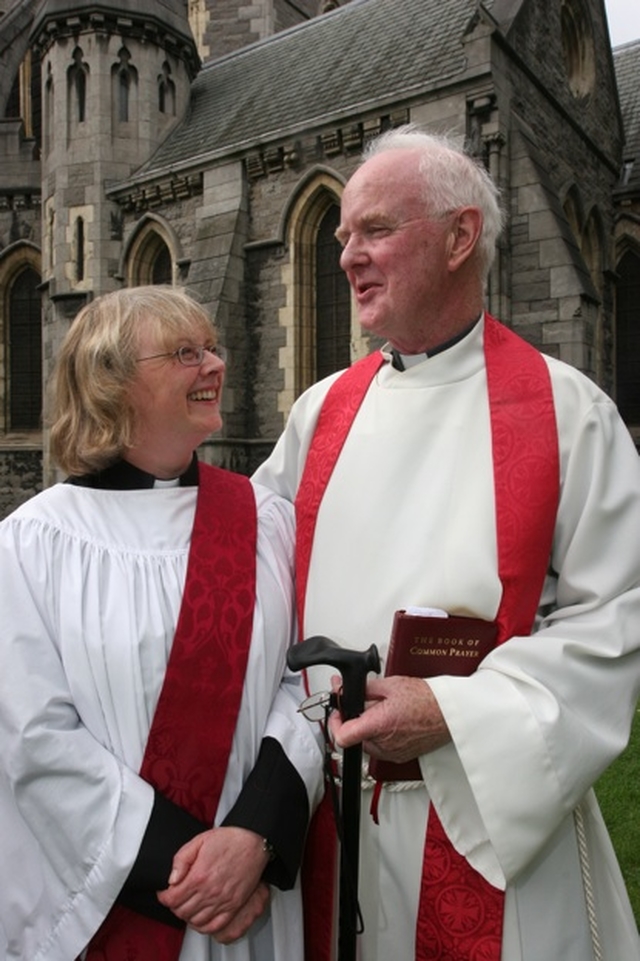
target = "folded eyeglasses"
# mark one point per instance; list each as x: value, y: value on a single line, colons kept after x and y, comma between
x: 319, y: 706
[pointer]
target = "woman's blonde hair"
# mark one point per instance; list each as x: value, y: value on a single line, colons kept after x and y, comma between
x: 91, y: 418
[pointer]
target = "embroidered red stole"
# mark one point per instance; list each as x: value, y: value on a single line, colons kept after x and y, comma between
x: 190, y: 739
x: 460, y: 915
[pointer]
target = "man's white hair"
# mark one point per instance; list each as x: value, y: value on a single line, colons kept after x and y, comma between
x: 452, y: 179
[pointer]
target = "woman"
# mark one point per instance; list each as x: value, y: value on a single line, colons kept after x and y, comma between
x: 147, y: 607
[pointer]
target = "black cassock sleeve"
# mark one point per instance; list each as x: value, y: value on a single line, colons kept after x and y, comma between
x: 168, y: 829
x: 273, y: 803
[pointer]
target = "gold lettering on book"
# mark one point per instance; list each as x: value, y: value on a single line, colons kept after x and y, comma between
x: 430, y: 646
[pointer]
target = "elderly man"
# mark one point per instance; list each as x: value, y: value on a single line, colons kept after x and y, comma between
x: 459, y: 469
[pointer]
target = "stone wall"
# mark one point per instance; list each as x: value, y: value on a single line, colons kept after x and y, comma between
x: 224, y: 26
x: 20, y: 477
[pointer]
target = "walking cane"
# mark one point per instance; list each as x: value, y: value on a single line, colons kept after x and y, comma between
x: 354, y: 667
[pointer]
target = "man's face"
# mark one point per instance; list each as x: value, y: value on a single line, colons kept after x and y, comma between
x: 394, y: 257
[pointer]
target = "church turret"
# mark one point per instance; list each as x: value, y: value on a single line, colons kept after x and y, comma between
x: 115, y: 80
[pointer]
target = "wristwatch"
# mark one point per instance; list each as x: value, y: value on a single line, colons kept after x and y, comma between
x: 268, y: 849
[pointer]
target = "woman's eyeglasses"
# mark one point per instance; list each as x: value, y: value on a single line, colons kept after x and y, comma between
x: 191, y: 356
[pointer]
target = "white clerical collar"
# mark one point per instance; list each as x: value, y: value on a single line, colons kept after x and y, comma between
x: 404, y: 361
x: 162, y: 484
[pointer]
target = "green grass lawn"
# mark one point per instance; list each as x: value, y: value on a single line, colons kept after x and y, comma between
x: 618, y: 792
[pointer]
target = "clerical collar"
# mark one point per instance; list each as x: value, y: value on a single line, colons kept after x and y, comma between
x: 404, y: 361
x: 123, y: 476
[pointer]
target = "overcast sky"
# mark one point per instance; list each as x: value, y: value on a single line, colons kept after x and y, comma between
x: 624, y: 20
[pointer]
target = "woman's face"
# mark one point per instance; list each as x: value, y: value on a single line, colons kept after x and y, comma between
x: 175, y: 406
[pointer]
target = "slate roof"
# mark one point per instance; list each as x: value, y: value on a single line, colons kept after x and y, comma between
x: 626, y: 60
x: 358, y: 57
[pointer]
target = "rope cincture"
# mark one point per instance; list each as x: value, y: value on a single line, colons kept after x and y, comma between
x: 587, y: 884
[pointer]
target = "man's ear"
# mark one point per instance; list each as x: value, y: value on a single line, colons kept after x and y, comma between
x: 464, y: 236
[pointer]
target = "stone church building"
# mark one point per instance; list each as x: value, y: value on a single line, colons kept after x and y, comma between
x: 206, y: 143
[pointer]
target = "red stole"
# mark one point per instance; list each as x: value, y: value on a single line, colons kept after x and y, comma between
x: 460, y: 915
x: 190, y: 739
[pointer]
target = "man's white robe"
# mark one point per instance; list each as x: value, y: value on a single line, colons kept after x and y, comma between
x: 408, y: 518
x: 90, y: 589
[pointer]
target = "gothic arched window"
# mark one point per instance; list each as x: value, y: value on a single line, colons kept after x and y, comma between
x: 24, y: 352
x: 81, y: 94
x: 166, y: 91
x: 320, y: 335
x: 77, y: 83
x: 161, y: 267
x: 628, y: 337
x: 123, y: 96
x: 79, y: 248
x: 150, y: 259
x: 124, y: 79
x: 592, y: 248
x: 333, y: 300
x: 577, y: 46
x: 49, y: 115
